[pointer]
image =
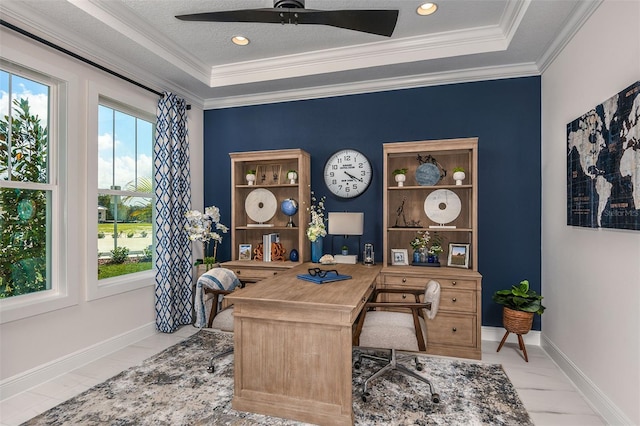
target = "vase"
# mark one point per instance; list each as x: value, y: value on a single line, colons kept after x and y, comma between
x: 400, y: 178
x: 458, y: 177
x: 316, y: 250
x: 423, y: 256
x: 416, y: 256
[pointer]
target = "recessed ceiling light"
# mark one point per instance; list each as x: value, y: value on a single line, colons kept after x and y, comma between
x: 427, y: 9
x: 240, y: 40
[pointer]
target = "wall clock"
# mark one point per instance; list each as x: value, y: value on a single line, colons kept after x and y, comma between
x: 347, y: 173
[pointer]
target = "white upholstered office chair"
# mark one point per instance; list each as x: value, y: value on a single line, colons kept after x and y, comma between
x: 403, y: 329
x: 211, y: 288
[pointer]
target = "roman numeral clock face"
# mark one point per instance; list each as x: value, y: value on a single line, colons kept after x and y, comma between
x: 347, y: 173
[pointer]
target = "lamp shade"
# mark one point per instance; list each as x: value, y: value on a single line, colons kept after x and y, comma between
x: 346, y: 223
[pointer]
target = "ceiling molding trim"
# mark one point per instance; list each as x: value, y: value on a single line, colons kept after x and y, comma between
x: 119, y: 18
x: 407, y: 82
x: 98, y: 55
x: 512, y: 17
x: 581, y: 14
x: 410, y: 49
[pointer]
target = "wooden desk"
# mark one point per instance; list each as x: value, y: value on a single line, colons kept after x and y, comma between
x: 292, y: 342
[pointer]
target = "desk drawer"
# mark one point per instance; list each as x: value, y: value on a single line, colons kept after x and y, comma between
x: 421, y: 281
x: 458, y: 300
x: 255, y: 274
x: 451, y: 329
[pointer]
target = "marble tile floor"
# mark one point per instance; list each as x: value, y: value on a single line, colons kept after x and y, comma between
x: 546, y: 392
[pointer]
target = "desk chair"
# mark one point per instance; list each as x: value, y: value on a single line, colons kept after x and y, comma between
x: 395, y: 330
x: 211, y: 287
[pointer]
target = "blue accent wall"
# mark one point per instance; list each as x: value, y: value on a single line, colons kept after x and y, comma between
x: 505, y: 115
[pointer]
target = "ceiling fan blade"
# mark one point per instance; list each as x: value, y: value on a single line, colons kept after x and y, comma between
x: 380, y: 22
x: 269, y: 16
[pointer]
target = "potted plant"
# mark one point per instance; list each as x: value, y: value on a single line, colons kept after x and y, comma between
x: 400, y: 176
x: 520, y: 303
x: 251, y: 177
x: 292, y: 175
x: 458, y: 175
x: 345, y: 250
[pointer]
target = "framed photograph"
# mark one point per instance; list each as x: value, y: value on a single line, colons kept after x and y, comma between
x: 399, y: 257
x: 458, y: 255
x: 244, y: 253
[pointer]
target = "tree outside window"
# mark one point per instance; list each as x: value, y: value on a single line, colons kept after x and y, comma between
x: 25, y: 189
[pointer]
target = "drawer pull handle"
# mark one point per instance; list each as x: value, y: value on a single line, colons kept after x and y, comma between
x: 404, y: 280
x: 404, y: 296
x: 453, y: 299
x: 275, y: 273
x: 454, y: 329
x: 238, y: 272
x: 453, y: 283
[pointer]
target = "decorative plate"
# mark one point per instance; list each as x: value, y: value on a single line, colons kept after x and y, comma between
x: 442, y: 206
x: 428, y: 174
x: 261, y: 205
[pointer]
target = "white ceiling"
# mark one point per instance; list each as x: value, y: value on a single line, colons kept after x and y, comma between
x: 465, y: 40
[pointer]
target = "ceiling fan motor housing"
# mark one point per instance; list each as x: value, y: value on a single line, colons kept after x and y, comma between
x: 289, y: 4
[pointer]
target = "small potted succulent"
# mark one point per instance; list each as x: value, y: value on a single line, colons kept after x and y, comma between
x: 345, y: 250
x: 251, y: 177
x: 292, y: 175
x: 400, y: 176
x: 458, y: 175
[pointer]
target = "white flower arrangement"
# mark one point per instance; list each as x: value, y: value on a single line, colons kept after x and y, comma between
x: 316, y: 227
x: 205, y: 227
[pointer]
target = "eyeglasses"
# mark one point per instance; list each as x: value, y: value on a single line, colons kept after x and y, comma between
x: 321, y: 272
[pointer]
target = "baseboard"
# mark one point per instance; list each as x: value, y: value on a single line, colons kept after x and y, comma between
x: 594, y: 396
x: 24, y: 381
x: 495, y: 334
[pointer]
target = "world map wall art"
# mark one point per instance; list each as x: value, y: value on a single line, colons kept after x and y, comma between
x: 603, y: 164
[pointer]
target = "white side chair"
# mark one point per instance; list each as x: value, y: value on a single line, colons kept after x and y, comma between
x: 402, y: 329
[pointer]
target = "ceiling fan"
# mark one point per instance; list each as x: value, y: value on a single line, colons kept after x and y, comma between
x: 380, y: 22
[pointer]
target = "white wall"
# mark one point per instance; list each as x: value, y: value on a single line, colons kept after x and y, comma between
x: 591, y: 278
x: 28, y: 347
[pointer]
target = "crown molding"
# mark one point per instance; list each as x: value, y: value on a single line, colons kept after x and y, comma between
x: 581, y: 13
x: 116, y: 16
x: 410, y: 49
x: 398, y: 83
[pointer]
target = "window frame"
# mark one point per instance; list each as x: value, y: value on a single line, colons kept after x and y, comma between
x: 138, y: 106
x: 61, y: 293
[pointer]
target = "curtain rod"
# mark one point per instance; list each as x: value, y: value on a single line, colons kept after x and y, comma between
x: 80, y: 58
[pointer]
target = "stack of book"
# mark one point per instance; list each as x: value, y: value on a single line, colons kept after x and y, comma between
x: 267, y: 240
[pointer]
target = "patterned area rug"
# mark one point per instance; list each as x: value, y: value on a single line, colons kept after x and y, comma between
x: 174, y: 388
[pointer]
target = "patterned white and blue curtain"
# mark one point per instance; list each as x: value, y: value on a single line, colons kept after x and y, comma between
x: 174, y: 274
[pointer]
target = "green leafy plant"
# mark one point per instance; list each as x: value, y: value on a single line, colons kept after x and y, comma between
x: 400, y: 172
x: 251, y: 172
x: 119, y: 255
x: 100, y: 234
x: 130, y: 234
x: 520, y: 298
x: 458, y: 169
x: 292, y: 171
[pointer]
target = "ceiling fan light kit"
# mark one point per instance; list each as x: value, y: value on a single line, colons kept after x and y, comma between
x: 379, y: 22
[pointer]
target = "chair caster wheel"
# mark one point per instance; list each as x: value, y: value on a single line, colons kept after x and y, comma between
x: 357, y: 365
x: 419, y: 367
x: 211, y: 369
x: 435, y: 398
x: 365, y: 396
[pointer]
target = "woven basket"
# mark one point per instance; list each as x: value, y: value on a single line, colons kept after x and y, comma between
x: 517, y: 322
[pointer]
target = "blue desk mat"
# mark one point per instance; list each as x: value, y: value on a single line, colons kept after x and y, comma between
x: 327, y: 279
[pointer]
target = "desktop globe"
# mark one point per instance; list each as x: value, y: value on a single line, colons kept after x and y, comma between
x: 289, y: 207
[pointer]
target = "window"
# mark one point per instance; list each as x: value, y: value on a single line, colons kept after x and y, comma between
x: 125, y: 190
x: 27, y: 186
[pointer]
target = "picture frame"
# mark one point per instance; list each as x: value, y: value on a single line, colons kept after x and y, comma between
x: 244, y: 252
x: 458, y: 255
x: 399, y: 257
